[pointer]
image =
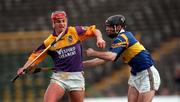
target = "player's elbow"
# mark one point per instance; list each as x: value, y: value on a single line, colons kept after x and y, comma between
x: 111, y: 56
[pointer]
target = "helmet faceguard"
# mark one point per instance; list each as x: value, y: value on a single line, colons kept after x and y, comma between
x: 115, y: 21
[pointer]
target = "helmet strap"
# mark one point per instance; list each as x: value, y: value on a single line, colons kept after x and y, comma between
x: 115, y: 29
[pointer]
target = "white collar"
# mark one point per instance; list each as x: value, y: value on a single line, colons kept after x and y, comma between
x: 122, y: 30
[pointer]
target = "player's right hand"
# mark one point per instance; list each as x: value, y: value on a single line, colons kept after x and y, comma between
x: 101, y: 43
x: 20, y: 71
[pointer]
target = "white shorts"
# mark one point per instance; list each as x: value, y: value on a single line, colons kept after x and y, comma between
x: 69, y: 80
x: 146, y: 80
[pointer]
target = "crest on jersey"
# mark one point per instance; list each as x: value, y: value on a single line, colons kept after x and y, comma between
x: 70, y: 39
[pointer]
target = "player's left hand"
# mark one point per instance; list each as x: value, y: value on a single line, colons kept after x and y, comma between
x: 100, y: 43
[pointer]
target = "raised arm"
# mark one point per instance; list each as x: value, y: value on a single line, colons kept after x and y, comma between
x: 99, y: 39
x: 86, y: 32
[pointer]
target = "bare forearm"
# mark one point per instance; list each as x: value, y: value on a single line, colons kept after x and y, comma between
x: 99, y: 39
x: 29, y: 68
x: 27, y: 64
x: 93, y: 62
x: 104, y: 55
x: 98, y: 34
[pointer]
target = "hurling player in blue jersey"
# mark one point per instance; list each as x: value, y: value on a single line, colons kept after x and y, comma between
x: 144, y: 79
x: 67, y: 58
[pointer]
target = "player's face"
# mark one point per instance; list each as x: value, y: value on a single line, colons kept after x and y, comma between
x: 110, y: 31
x: 60, y: 23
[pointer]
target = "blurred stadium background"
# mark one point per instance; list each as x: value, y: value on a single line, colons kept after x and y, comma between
x: 24, y: 24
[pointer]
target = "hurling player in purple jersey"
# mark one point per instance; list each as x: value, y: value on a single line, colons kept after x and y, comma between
x: 67, y: 58
x: 144, y: 79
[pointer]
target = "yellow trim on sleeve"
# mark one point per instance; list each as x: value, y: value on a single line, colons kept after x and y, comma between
x: 40, y: 59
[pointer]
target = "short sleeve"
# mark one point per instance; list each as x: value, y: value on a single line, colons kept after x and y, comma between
x: 118, y: 45
x: 85, y: 32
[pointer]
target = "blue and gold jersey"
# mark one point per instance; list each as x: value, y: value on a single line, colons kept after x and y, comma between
x: 132, y: 52
x: 67, y: 52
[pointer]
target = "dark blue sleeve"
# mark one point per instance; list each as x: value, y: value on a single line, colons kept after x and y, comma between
x: 118, y: 45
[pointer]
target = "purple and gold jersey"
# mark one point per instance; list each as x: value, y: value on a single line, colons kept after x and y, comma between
x: 67, y: 52
x: 132, y: 52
